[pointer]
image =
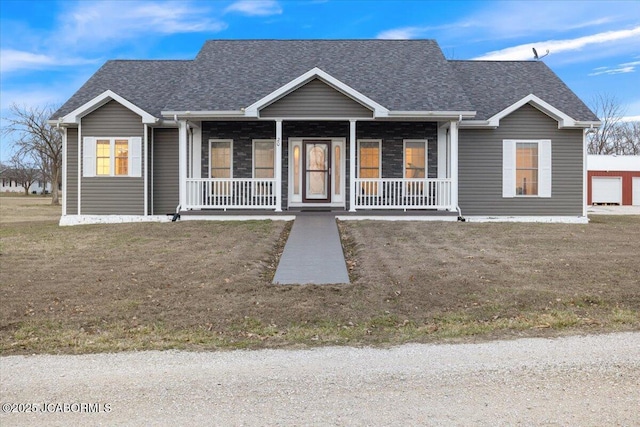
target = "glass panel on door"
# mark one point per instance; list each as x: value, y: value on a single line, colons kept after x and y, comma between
x: 317, y: 176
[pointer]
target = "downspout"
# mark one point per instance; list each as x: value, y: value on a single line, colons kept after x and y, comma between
x: 176, y: 215
x: 460, y: 217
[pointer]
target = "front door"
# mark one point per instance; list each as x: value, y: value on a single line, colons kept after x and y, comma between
x: 316, y: 175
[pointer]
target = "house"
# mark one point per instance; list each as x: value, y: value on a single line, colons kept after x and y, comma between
x: 10, y: 184
x: 613, y: 180
x: 358, y: 126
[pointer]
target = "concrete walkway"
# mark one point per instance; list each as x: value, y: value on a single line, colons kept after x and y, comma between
x: 313, y: 253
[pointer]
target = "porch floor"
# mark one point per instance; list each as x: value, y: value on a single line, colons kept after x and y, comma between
x: 313, y: 253
x: 333, y: 212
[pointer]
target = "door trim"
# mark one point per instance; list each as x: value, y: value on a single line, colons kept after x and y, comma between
x: 338, y: 200
x: 328, y: 175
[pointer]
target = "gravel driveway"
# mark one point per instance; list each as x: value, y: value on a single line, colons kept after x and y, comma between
x: 577, y: 381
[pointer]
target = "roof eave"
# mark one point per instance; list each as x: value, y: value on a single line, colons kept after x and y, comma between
x: 204, y: 114
x: 444, y: 115
x: 564, y: 120
x: 76, y: 115
x: 253, y: 110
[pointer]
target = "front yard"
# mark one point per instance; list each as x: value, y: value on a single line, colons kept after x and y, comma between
x: 206, y: 285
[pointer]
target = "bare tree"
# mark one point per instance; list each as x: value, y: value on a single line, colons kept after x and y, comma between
x: 36, y: 137
x: 604, y: 140
x: 23, y: 170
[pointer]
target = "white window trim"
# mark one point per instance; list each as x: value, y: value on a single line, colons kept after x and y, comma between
x: 379, y: 141
x: 253, y: 155
x: 509, y: 168
x: 230, y: 141
x: 89, y: 157
x: 426, y: 156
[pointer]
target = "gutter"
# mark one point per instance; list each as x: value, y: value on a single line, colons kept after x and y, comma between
x: 451, y: 115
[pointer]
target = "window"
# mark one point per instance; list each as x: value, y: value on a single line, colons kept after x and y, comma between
x: 526, y: 168
x: 220, y: 165
x: 105, y: 157
x: 415, y: 158
x: 263, y: 158
x: 296, y: 169
x: 369, y: 164
x: 122, y: 157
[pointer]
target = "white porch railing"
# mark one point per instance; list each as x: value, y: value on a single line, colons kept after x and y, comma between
x: 231, y: 193
x: 402, y: 193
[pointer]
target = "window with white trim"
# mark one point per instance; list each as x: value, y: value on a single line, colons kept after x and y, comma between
x: 264, y: 158
x: 526, y: 168
x: 369, y: 163
x: 221, y: 161
x: 415, y: 158
x: 112, y: 156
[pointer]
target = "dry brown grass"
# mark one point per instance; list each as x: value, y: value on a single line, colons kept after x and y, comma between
x: 206, y: 285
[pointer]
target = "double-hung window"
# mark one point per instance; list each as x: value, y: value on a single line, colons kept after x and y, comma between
x: 263, y: 158
x: 369, y: 164
x: 415, y: 158
x: 526, y: 168
x: 264, y: 166
x: 221, y: 165
x: 415, y: 165
x: 112, y: 157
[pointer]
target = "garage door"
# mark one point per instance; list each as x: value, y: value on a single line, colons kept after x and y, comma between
x: 606, y: 189
x: 636, y: 192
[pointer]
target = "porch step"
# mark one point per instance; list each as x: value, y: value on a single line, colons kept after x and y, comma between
x: 313, y: 253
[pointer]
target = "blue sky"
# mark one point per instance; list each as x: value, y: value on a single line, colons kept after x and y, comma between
x: 48, y: 49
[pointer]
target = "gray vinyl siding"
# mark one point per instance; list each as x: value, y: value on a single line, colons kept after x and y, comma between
x: 71, y: 193
x: 165, y: 171
x: 316, y: 99
x: 113, y: 195
x: 480, y: 167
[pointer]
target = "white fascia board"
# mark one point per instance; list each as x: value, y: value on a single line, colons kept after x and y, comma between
x: 448, y: 115
x: 564, y: 121
x: 99, y: 101
x: 378, y: 110
x: 205, y: 114
x: 587, y: 124
x: 476, y: 124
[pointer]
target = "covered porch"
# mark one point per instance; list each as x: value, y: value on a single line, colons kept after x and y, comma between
x: 350, y: 165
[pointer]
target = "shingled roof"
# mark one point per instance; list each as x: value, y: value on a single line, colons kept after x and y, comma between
x: 495, y: 85
x: 401, y: 75
x: 398, y: 74
x: 147, y: 84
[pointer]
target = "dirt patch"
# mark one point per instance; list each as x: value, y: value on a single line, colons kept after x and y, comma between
x: 206, y: 285
x: 491, y: 271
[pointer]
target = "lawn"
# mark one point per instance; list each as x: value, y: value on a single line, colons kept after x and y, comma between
x: 206, y: 285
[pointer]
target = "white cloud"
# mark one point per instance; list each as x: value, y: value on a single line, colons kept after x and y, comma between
x: 255, y: 7
x: 524, y: 51
x: 97, y: 22
x: 627, y: 67
x: 14, y: 60
x: 401, y: 33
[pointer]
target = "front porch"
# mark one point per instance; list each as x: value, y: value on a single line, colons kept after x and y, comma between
x: 339, y: 165
x: 257, y: 193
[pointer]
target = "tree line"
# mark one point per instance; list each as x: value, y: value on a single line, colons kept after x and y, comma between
x: 615, y: 135
x: 37, y: 148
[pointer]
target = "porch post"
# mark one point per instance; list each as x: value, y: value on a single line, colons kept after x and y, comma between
x: 352, y: 165
x: 278, y: 171
x: 182, y: 162
x: 453, y: 158
x: 145, y: 152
